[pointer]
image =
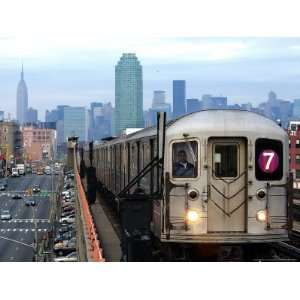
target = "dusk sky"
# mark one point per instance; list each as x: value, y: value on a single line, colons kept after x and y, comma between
x: 243, y: 69
x: 73, y: 62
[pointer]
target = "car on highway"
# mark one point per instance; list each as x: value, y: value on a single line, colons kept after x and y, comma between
x: 71, y: 257
x: 65, y: 236
x: 66, y: 227
x: 68, y: 220
x: 15, y: 172
x: 67, y: 205
x: 68, y: 209
x: 68, y: 214
x: 16, y: 196
x: 64, y: 247
x: 36, y: 188
x: 30, y: 202
x: 5, y: 214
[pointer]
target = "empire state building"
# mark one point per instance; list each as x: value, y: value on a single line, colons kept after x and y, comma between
x: 22, y: 100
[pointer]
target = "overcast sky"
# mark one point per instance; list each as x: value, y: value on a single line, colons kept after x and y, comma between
x: 69, y: 57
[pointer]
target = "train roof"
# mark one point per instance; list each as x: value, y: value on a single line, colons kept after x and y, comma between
x: 216, y: 122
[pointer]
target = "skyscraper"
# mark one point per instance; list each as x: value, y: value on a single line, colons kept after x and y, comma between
x: 32, y: 115
x: 128, y: 93
x: 296, y: 109
x: 22, y: 100
x: 158, y: 104
x: 178, y: 98
x: 193, y: 105
x: 75, y: 123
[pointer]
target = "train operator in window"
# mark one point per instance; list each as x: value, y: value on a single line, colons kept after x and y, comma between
x: 182, y: 168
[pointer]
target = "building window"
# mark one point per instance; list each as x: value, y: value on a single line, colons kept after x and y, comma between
x: 297, y: 159
x: 297, y: 143
x: 297, y: 174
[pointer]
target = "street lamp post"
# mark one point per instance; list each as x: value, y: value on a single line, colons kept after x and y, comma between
x: 35, y: 234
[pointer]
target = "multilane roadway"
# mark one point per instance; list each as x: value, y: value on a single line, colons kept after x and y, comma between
x: 21, y: 228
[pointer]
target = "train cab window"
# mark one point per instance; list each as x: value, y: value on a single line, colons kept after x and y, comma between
x: 185, y: 159
x: 225, y: 160
x: 268, y: 159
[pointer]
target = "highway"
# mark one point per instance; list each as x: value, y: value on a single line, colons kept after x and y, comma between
x: 19, y: 232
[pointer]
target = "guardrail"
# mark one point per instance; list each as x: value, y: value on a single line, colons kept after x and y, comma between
x: 94, y: 249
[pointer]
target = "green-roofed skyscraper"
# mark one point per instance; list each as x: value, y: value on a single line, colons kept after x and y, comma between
x: 128, y: 93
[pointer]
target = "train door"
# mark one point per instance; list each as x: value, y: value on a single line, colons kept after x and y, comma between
x: 227, y: 175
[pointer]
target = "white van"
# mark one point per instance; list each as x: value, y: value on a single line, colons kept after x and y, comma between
x: 15, y: 172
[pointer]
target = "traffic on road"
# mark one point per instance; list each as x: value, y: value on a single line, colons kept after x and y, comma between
x: 25, y: 215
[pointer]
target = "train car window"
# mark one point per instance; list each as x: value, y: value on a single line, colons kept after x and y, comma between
x: 297, y: 143
x: 185, y: 159
x: 225, y: 160
x: 268, y: 159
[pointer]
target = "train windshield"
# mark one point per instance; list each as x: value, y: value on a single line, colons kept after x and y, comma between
x: 185, y: 159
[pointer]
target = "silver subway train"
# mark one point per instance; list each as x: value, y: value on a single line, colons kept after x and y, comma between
x: 223, y: 179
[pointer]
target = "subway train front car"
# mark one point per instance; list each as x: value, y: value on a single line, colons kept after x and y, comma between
x: 225, y: 176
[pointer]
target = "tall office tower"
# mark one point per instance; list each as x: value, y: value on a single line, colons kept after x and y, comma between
x: 296, y: 109
x: 22, y: 100
x: 207, y: 102
x: 158, y: 104
x: 32, y: 115
x: 159, y: 98
x: 75, y: 123
x: 128, y: 93
x: 178, y: 98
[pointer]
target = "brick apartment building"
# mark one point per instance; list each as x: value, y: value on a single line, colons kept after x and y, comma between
x: 39, y: 143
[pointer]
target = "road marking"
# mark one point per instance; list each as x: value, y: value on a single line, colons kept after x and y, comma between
x: 8, y: 229
x: 39, y: 229
x: 32, y: 229
x: 14, y: 230
x: 20, y: 229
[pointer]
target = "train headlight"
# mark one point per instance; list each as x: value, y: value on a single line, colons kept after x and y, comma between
x: 261, y: 194
x: 192, y: 216
x: 261, y: 216
x: 193, y: 194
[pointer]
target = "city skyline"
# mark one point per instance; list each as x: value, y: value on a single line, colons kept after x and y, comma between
x: 246, y: 71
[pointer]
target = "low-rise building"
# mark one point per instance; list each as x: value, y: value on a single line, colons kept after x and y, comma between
x: 294, y: 151
x: 39, y: 143
x: 10, y: 144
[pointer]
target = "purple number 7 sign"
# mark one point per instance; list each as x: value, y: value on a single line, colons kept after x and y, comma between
x: 268, y: 161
